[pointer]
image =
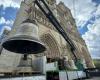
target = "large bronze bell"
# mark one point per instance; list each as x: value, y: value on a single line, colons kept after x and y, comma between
x: 25, y: 39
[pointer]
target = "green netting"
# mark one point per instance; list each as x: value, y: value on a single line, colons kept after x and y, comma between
x: 79, y: 64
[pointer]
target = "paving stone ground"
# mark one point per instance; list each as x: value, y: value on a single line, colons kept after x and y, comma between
x: 95, y: 78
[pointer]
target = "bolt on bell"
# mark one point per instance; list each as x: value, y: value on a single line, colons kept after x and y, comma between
x: 25, y: 39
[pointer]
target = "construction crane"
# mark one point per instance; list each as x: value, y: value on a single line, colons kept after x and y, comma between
x: 49, y: 14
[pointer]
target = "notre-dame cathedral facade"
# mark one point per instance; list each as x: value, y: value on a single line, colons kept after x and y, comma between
x: 56, y: 46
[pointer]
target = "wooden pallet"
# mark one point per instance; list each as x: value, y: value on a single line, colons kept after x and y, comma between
x: 18, y: 74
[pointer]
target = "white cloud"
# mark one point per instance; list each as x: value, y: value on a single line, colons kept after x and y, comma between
x: 5, y: 27
x: 10, y: 3
x: 81, y: 10
x: 6, y: 22
x: 9, y: 22
x: 92, y: 39
x: 98, y: 11
x: 2, y: 20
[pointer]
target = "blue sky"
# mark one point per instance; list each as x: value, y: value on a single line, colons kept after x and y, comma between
x: 7, y: 16
x: 85, y: 12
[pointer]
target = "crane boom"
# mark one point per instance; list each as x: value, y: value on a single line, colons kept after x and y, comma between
x: 48, y: 13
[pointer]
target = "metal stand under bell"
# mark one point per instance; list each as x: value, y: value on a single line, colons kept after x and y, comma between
x: 25, y: 67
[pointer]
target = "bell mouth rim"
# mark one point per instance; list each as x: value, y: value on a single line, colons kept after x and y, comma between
x: 26, y: 39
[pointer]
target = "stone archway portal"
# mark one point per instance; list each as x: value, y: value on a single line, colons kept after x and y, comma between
x: 53, y: 50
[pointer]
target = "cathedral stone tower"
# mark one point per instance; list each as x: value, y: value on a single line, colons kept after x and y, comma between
x: 56, y: 45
